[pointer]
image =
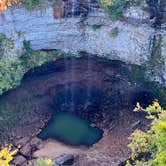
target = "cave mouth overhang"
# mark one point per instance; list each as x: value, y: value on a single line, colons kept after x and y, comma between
x: 94, y: 88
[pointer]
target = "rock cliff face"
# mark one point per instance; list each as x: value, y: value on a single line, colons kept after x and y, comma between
x: 84, y: 27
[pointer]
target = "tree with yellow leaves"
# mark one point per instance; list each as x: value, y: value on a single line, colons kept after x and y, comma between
x: 6, y: 155
x: 149, y: 148
x: 4, y: 4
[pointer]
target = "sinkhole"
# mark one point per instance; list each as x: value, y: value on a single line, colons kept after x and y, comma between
x: 76, y: 100
x: 89, y: 95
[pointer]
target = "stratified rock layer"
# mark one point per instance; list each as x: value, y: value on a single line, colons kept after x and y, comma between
x: 94, y: 33
x: 75, y: 34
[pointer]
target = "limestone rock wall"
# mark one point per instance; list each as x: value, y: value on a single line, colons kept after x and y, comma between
x: 127, y: 40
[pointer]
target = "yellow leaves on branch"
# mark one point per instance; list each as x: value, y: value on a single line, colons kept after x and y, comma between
x: 138, y: 107
x: 6, y: 155
x: 154, y: 107
x: 152, y: 110
x: 4, y: 4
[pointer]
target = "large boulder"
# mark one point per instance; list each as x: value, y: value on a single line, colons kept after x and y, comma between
x: 64, y: 159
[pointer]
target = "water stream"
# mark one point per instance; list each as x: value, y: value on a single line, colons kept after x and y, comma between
x: 70, y: 78
x: 72, y: 86
x: 73, y: 9
x: 66, y: 79
x: 89, y: 82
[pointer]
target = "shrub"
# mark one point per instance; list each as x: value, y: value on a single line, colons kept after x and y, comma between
x: 31, y: 58
x: 6, y: 155
x: 12, y: 70
x: 10, y: 75
x: 44, y: 162
x: 6, y: 45
x: 149, y: 148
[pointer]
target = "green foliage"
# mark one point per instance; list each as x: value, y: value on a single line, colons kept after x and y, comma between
x: 33, y: 3
x: 6, y: 45
x: 149, y: 148
x: 114, y: 32
x: 31, y: 58
x: 116, y: 7
x: 12, y: 70
x: 140, y: 141
x: 10, y: 75
x: 44, y: 162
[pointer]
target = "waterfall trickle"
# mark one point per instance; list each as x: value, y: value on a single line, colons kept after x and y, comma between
x: 89, y: 5
x: 89, y: 82
x: 73, y: 9
x: 66, y: 63
x: 72, y: 86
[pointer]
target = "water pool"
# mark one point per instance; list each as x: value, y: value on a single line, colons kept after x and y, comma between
x: 70, y: 129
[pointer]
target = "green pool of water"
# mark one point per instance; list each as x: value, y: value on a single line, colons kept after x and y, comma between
x: 71, y: 129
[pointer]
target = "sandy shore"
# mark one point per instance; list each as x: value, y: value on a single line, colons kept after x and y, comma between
x: 53, y: 148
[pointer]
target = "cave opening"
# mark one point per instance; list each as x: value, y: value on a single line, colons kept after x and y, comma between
x: 93, y: 89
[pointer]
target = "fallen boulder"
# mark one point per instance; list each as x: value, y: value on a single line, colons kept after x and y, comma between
x: 64, y: 159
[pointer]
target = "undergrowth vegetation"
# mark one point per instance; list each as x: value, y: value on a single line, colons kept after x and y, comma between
x: 8, y: 153
x: 12, y: 69
x: 149, y: 148
x: 44, y: 162
x: 33, y: 3
x: 116, y: 7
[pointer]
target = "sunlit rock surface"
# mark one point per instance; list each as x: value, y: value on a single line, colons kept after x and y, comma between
x: 129, y: 44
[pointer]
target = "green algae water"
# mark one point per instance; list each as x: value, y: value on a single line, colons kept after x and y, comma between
x: 70, y: 129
